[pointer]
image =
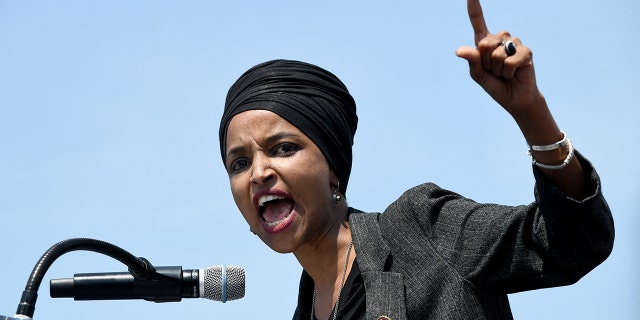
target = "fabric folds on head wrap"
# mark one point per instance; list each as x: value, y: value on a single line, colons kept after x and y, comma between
x: 309, y: 97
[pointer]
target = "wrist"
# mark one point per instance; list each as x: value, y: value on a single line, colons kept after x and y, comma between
x: 522, y: 109
x: 553, y: 156
x: 537, y: 123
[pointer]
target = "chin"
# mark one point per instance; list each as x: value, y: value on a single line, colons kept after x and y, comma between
x: 280, y: 246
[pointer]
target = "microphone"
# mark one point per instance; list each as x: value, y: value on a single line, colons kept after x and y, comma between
x: 165, y: 284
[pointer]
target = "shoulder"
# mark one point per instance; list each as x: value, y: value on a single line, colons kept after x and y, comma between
x: 424, y: 198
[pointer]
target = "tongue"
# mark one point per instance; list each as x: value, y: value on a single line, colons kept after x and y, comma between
x: 277, y: 210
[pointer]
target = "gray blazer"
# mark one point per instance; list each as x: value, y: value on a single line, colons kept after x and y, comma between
x: 434, y: 254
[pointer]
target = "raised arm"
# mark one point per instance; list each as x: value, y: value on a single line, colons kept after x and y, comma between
x: 503, y: 67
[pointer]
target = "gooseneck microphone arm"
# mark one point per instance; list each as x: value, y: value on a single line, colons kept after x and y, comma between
x: 138, y: 267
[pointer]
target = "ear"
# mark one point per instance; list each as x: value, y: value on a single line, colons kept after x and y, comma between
x: 333, y: 180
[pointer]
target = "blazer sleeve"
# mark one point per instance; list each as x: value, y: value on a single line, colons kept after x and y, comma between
x: 553, y: 241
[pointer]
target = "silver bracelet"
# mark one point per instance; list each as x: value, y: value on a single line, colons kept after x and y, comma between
x: 557, y: 166
x: 552, y: 146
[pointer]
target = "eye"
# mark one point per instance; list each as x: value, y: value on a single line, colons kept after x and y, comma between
x: 285, y: 149
x: 238, y: 165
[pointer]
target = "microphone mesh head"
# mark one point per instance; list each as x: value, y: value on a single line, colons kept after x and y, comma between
x: 222, y: 283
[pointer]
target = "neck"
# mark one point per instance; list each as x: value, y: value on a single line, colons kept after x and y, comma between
x: 323, y: 257
x: 326, y: 262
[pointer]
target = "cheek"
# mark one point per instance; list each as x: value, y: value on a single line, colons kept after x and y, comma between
x: 240, y: 197
x: 312, y: 179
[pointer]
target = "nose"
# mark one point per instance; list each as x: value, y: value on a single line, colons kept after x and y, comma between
x: 261, y: 170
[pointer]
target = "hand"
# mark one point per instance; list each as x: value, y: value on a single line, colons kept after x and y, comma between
x: 510, y: 80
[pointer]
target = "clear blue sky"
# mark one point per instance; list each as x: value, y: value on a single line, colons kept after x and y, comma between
x: 109, y: 114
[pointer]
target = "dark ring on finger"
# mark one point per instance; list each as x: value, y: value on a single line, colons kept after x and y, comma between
x: 509, y: 48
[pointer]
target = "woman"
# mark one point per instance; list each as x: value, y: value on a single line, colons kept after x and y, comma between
x: 285, y: 139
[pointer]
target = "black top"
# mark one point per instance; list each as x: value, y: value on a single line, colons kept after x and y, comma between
x: 353, y: 303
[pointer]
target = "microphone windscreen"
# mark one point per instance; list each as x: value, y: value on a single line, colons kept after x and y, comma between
x: 222, y: 283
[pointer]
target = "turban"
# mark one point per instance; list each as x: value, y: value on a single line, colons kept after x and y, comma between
x: 307, y: 96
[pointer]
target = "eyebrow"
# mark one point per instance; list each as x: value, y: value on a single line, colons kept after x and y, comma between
x: 268, y: 140
x: 280, y: 136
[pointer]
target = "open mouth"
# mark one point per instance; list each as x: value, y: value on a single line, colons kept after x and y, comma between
x: 276, y: 211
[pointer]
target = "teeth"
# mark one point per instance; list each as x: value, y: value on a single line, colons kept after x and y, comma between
x: 266, y: 198
x: 275, y: 223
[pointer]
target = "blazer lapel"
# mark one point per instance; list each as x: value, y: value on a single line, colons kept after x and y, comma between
x: 385, y: 289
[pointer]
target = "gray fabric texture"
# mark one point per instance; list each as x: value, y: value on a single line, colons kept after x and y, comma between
x: 433, y: 254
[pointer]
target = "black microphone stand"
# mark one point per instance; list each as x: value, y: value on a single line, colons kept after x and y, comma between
x: 139, y: 267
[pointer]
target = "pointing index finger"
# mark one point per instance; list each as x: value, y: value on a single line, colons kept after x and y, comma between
x: 480, y: 29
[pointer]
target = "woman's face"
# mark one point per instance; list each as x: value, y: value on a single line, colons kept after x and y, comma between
x: 280, y: 180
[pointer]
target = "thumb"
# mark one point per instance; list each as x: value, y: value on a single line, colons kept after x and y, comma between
x: 467, y: 53
x: 472, y: 55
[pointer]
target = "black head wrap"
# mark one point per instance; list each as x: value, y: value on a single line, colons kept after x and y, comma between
x: 309, y: 97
